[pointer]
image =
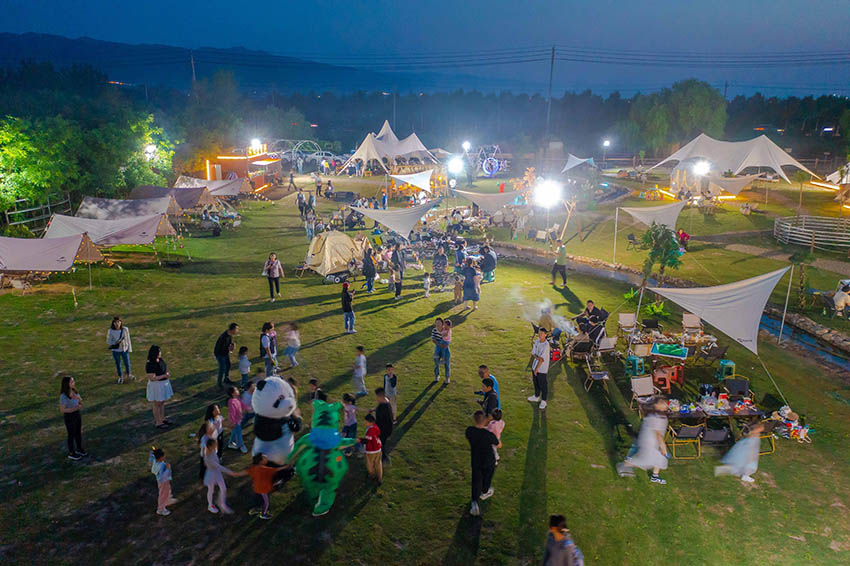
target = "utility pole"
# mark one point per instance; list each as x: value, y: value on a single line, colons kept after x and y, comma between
x: 395, y: 93
x: 725, y: 86
x: 194, y: 79
x: 549, y: 103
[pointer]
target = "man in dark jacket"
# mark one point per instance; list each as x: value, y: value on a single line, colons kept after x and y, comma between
x: 221, y: 351
x: 384, y: 420
x: 488, y: 264
x: 483, y: 460
x: 491, y: 399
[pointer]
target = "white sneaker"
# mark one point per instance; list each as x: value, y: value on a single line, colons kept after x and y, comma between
x: 448, y: 380
x: 534, y: 398
x: 542, y: 405
x: 233, y: 446
x: 271, y: 300
x: 163, y: 512
x: 487, y: 494
x: 212, y: 509
x: 474, y: 510
x: 747, y: 479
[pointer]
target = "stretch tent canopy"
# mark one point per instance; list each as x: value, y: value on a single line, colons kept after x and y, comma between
x: 26, y: 255
x: 489, y: 202
x: 400, y: 221
x: 573, y: 161
x: 386, y: 145
x: 421, y: 179
x: 735, y: 308
x: 664, y: 215
x: 138, y: 230
x: 841, y: 176
x: 733, y: 185
x: 736, y: 156
x: 224, y: 188
x: 112, y: 209
x: 186, y: 197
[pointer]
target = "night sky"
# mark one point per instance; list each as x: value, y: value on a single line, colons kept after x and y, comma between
x: 334, y: 28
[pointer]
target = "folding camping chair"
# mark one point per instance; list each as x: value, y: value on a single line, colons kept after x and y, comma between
x: 738, y: 388
x: 691, y: 324
x: 642, y: 390
x: 687, y: 434
x: 767, y: 434
x: 651, y: 324
x: 607, y: 345
x: 595, y: 373
x: 712, y: 355
x: 626, y: 323
x: 579, y: 351
x: 632, y: 242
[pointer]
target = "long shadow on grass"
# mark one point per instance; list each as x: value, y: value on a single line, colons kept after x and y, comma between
x: 464, y: 547
x: 405, y: 425
x: 532, y: 497
x: 439, y: 309
x: 573, y: 303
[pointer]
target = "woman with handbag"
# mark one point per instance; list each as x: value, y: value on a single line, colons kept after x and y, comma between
x: 70, y: 404
x: 159, y: 386
x: 118, y: 340
x: 273, y: 270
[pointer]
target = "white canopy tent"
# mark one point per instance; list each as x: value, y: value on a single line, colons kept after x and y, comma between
x: 112, y: 209
x: 401, y: 221
x: 137, y: 230
x: 573, y: 161
x: 27, y: 255
x: 421, y: 180
x: 666, y: 215
x: 736, y: 156
x: 386, y: 145
x: 489, y: 202
x: 386, y: 134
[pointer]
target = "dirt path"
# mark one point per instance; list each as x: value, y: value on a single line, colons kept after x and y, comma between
x: 835, y: 266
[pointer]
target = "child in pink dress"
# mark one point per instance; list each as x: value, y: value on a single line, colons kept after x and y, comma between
x: 496, y: 426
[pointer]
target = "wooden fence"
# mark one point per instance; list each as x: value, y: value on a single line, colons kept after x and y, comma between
x: 36, y: 217
x: 816, y: 232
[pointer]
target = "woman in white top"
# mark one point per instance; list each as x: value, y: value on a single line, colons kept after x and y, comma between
x: 651, y: 449
x: 118, y: 340
x: 273, y: 270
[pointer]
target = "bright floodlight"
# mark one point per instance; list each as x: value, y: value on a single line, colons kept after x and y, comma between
x: 150, y: 152
x: 701, y: 168
x: 466, y: 145
x: 455, y: 165
x: 547, y: 193
x: 606, y: 143
x: 255, y: 144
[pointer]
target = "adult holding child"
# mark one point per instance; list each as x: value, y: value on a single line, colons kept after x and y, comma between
x: 70, y: 404
x: 273, y: 270
x: 118, y: 340
x: 159, y: 386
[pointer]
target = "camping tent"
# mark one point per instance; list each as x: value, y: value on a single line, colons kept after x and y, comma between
x: 331, y: 252
x: 224, y: 188
x: 736, y: 156
x: 186, y: 197
x: 489, y: 202
x: 134, y: 230
x: 402, y: 220
x: 573, y: 161
x: 665, y: 215
x: 27, y: 255
x: 735, y: 308
x: 386, y: 134
x: 421, y: 180
x: 111, y: 209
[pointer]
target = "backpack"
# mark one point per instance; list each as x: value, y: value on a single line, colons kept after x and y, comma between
x: 578, y: 557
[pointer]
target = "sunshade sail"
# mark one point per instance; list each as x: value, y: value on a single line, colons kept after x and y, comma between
x: 736, y: 156
x: 331, y: 252
x: 666, y: 214
x: 25, y: 255
x: 735, y: 308
x: 489, y: 202
x: 573, y: 161
x: 138, y: 230
x: 733, y: 185
x: 421, y: 179
x: 401, y: 221
x: 111, y: 209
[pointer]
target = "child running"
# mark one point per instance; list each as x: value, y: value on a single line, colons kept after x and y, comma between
x: 262, y: 482
x: 162, y: 470
x: 293, y: 343
x: 234, y: 415
x: 213, y: 476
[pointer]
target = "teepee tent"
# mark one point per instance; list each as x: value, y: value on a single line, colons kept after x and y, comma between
x: 735, y: 308
x: 331, y: 252
x: 665, y: 215
x: 736, y: 156
x: 137, y: 230
x: 112, y: 209
x: 573, y: 161
x: 489, y: 202
x: 421, y: 180
x: 401, y: 221
x: 27, y: 255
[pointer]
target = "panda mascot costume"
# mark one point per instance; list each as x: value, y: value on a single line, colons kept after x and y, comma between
x: 274, y: 424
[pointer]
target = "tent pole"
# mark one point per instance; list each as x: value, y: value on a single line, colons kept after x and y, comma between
x: 771, y: 379
x: 785, y: 310
x: 90, y: 286
x: 616, y: 220
x: 637, y: 312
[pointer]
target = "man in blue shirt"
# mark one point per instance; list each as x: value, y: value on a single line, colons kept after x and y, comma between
x: 484, y: 372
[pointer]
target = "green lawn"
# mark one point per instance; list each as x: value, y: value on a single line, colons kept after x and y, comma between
x: 102, y: 510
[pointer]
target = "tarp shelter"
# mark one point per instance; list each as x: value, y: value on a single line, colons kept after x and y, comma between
x: 135, y: 230
x: 186, y: 197
x: 400, y: 221
x: 224, y: 188
x: 573, y: 161
x: 840, y: 177
x: 331, y: 252
x: 489, y: 202
x: 732, y: 185
x: 112, y: 209
x: 736, y: 156
x: 665, y: 215
x: 421, y: 179
x: 735, y: 308
x: 28, y: 255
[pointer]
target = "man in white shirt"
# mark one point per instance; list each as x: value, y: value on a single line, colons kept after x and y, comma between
x: 842, y: 300
x: 540, y: 367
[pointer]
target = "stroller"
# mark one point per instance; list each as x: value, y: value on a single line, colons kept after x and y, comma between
x: 341, y: 276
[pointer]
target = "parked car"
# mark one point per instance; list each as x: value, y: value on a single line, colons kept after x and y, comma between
x: 318, y: 156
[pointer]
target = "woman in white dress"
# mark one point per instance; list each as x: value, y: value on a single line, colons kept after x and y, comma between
x: 743, y: 459
x: 651, y: 449
x: 159, y: 386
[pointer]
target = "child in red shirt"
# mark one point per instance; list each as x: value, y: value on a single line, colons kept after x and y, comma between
x: 262, y: 480
x: 372, y: 441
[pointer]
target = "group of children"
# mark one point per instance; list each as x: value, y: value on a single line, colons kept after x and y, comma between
x: 268, y: 350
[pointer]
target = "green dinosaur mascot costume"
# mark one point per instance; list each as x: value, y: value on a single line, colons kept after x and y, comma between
x: 318, y: 457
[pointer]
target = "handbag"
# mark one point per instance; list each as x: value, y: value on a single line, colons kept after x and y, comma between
x: 117, y: 344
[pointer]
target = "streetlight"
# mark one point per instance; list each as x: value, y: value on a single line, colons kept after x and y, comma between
x: 455, y: 166
x: 150, y: 152
x: 606, y: 143
x: 466, y: 145
x: 547, y: 193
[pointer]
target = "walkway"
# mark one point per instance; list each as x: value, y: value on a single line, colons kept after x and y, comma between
x: 841, y: 267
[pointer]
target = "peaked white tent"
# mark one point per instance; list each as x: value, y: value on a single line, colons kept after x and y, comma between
x: 386, y: 134
x: 666, y: 215
x: 401, y: 221
x: 573, y: 161
x: 386, y: 145
x: 137, y: 230
x: 489, y: 202
x: 111, y: 209
x: 737, y: 156
x: 732, y: 185
x: 421, y: 180
x: 370, y: 148
x: 27, y: 255
x: 735, y: 308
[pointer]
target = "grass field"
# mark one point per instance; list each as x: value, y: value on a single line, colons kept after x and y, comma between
x: 562, y: 460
